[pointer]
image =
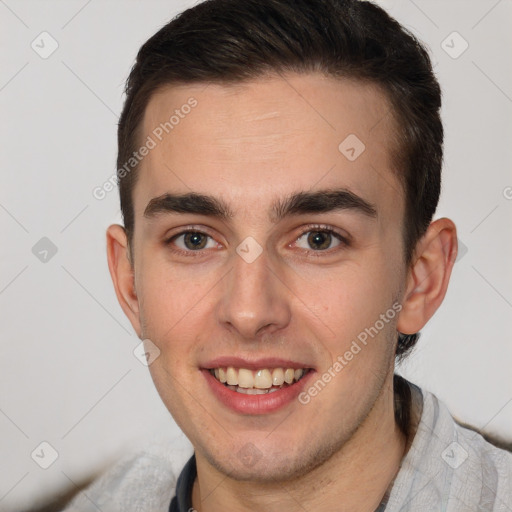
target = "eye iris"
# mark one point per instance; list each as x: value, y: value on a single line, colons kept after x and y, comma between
x: 195, y: 241
x: 319, y: 237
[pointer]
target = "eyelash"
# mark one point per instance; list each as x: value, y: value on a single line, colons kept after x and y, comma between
x: 321, y: 228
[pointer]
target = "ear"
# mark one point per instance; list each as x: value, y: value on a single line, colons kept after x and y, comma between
x: 122, y: 273
x: 428, y: 276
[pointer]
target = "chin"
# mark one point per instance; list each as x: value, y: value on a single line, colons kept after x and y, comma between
x: 272, y: 466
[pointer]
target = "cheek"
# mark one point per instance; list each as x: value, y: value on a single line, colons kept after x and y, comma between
x: 349, y: 299
x: 355, y: 306
x: 169, y: 297
x: 169, y: 315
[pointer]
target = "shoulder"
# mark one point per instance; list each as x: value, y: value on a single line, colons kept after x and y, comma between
x: 464, y: 442
x: 480, y: 469
x: 451, y: 465
x: 141, y: 480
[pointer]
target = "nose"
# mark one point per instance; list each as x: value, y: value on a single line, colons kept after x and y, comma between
x: 254, y: 300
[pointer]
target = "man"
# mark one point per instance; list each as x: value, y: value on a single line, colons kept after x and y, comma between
x: 279, y: 168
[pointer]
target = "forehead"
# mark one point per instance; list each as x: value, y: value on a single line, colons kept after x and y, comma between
x: 255, y: 141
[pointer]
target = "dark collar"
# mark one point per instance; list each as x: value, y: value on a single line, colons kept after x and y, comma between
x: 182, y: 501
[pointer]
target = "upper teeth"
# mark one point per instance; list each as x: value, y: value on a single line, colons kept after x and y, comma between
x: 260, y: 379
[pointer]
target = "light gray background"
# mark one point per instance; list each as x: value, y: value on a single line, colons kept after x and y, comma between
x: 67, y: 372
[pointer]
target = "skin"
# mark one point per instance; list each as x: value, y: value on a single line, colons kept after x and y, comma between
x: 251, y: 144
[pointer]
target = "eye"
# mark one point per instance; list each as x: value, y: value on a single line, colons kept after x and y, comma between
x: 188, y: 241
x: 320, y: 239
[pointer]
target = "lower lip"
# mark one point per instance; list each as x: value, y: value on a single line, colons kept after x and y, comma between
x: 256, y: 404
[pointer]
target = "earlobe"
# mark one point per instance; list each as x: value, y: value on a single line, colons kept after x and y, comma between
x: 428, y: 275
x: 122, y: 273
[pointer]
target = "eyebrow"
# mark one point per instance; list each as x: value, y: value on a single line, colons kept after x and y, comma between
x: 299, y: 203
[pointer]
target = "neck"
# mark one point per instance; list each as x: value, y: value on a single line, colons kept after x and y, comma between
x: 354, y: 478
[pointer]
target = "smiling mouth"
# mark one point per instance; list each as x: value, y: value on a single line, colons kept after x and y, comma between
x: 258, y: 382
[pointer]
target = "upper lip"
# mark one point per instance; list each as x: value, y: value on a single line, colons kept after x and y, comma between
x: 254, y: 364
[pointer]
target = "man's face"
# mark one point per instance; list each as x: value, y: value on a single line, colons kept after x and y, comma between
x: 266, y: 288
